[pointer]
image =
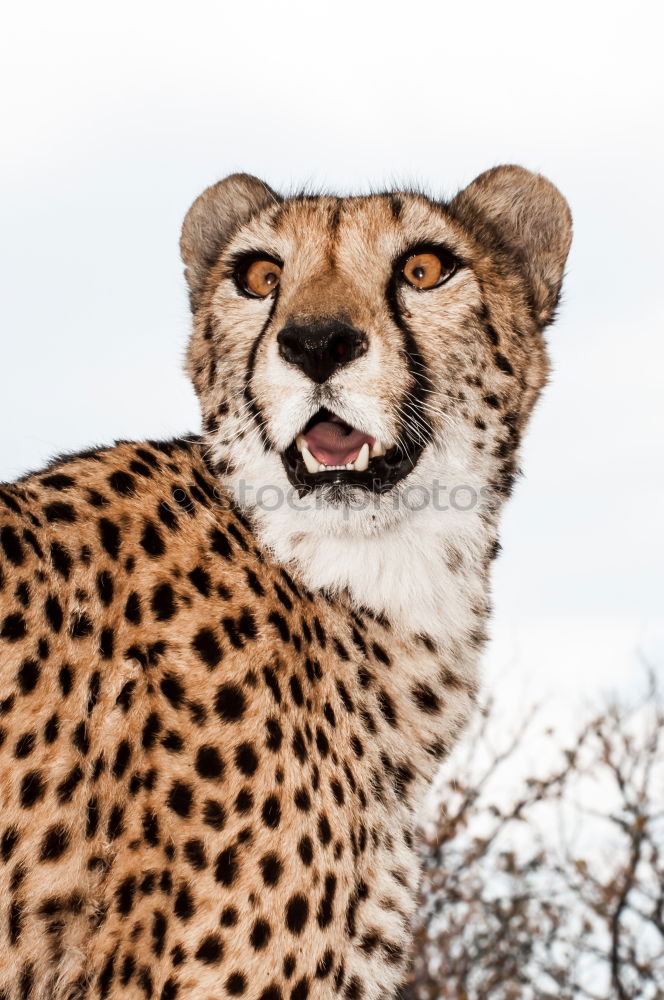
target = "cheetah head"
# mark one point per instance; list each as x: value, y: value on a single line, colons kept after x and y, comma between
x: 351, y: 355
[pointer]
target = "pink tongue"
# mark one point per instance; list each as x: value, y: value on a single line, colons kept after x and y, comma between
x: 335, y: 443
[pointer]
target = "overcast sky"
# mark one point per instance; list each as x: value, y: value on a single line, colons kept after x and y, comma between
x: 113, y: 119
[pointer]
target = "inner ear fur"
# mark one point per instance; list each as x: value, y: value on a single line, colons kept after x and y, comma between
x: 211, y: 221
x: 526, y: 215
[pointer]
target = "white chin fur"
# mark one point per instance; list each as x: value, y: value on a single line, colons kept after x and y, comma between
x: 387, y: 557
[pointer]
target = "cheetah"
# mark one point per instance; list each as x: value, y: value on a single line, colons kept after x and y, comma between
x: 231, y: 663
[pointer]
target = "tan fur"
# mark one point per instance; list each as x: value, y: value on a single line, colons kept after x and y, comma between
x: 210, y: 766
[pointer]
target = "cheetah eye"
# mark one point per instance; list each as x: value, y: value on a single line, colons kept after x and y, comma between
x: 429, y: 270
x: 260, y: 277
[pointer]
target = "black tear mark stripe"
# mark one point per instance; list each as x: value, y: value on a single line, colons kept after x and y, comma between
x: 419, y: 374
x: 253, y: 406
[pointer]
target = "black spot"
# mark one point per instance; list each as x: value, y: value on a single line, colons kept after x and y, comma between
x: 271, y: 812
x: 326, y: 907
x: 25, y: 744
x: 171, y: 687
x: 214, y: 814
x: 272, y: 683
x: 230, y: 703
x: 8, y: 842
x: 124, y: 895
x: 53, y: 612
x: 163, y: 602
x: 387, y: 708
x: 209, y: 764
x: 260, y: 934
x: 200, y: 580
x: 170, y: 989
x: 229, y: 917
x: 492, y: 401
x: 28, y: 676
x: 151, y: 540
x: 109, y: 536
x: 115, y: 825
x: 11, y: 545
x: 51, y: 729
x: 244, y: 801
x: 324, y: 830
x: 54, y: 843
x: 296, y: 691
x: 122, y: 758
x: 32, y: 789
x: 324, y: 966
x: 122, y: 482
x: 503, y: 363
x: 220, y: 544
x: 140, y: 469
x: 60, y: 511
x: 271, y: 868
x: 274, y: 734
x: 151, y: 729
x: 65, y: 790
x: 15, y: 921
x: 180, y: 798
x: 132, y: 610
x: 426, y: 699
x: 80, y: 626
x: 207, y: 647
x: 271, y: 992
x: 380, y: 654
x: 194, y: 852
x: 226, y: 866
x: 80, y: 738
x: 297, y: 913
x: 183, y: 905
x: 210, y: 950
x: 105, y: 587
x: 59, y: 481
x: 299, y: 746
x: 302, y: 799
x: 13, y: 628
x: 236, y: 984
x: 254, y: 582
x: 280, y: 624
x: 106, y: 643
x: 245, y: 759
x: 150, y: 827
x: 305, y: 849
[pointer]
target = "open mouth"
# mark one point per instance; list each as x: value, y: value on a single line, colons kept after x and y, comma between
x: 328, y: 450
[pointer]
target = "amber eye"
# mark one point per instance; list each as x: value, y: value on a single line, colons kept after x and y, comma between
x: 427, y: 270
x: 261, y: 277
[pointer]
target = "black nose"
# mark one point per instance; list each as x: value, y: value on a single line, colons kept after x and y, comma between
x: 319, y: 349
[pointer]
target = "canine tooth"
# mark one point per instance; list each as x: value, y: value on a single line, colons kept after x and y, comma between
x: 312, y: 464
x: 377, y: 449
x: 300, y: 441
x: 362, y: 461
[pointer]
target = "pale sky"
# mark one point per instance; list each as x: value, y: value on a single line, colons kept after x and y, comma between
x: 113, y: 119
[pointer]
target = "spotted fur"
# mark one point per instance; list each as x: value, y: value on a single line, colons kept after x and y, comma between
x: 218, y: 721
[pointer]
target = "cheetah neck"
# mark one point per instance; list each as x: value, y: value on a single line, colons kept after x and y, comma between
x: 423, y: 574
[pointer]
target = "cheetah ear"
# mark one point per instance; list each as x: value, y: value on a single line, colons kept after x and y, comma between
x: 211, y: 221
x: 529, y: 218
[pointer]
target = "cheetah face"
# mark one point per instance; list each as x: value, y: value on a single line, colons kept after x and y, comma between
x: 352, y: 348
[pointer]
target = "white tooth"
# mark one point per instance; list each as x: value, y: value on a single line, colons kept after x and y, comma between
x: 312, y: 464
x: 361, y: 463
x: 350, y: 466
x: 300, y: 441
x: 377, y: 449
